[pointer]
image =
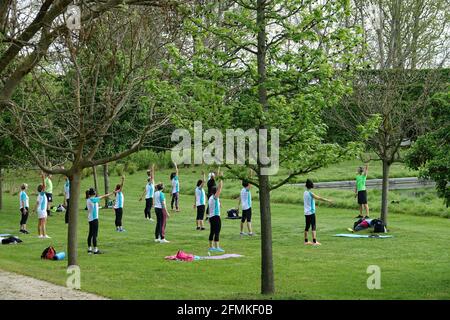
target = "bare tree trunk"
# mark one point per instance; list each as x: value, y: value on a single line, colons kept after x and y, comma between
x: 106, y: 181
x: 385, y: 191
x: 267, y: 278
x: 1, y: 188
x: 94, y: 173
x: 267, y: 274
x: 72, y: 244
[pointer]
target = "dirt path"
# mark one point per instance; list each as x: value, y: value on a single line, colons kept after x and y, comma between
x: 18, y: 287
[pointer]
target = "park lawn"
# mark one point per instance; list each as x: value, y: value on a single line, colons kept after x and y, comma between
x: 415, y: 264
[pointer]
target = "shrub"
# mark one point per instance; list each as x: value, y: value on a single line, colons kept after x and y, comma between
x: 131, y: 168
x: 119, y: 168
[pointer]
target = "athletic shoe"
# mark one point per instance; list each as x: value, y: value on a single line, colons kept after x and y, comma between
x: 21, y: 231
x: 198, y: 228
x: 212, y: 249
x: 350, y: 229
x: 164, y: 241
x: 89, y: 251
x: 26, y: 232
x: 366, y: 217
x: 151, y: 219
x: 41, y: 236
x: 251, y: 234
x: 308, y: 243
x: 47, y: 237
x: 98, y: 252
x: 243, y: 234
x: 317, y: 244
x: 220, y: 250
x: 123, y: 230
x: 157, y: 240
x: 359, y: 216
x: 202, y: 228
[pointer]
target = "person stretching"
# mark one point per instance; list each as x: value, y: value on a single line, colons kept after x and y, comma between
x: 118, y: 205
x: 24, y: 208
x: 175, y: 188
x: 161, y: 214
x: 41, y: 209
x: 246, y: 200
x: 200, y: 202
x: 310, y: 211
x: 360, y: 191
x: 149, y: 191
x: 214, y: 218
x: 93, y: 210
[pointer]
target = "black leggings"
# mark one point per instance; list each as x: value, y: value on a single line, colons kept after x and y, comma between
x: 119, y: 213
x: 310, y: 222
x: 93, y: 233
x: 160, y: 228
x: 216, y: 225
x: 66, y: 217
x: 23, y: 216
x: 148, y: 207
x: 174, y: 200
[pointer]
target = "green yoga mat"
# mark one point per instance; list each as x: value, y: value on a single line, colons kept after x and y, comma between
x: 352, y: 235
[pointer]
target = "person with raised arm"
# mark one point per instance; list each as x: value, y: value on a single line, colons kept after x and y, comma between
x: 200, y: 202
x: 361, y: 192
x: 149, y: 191
x: 93, y: 215
x: 118, y: 205
x: 310, y: 211
x: 175, y: 189
x: 41, y: 209
x: 214, y: 218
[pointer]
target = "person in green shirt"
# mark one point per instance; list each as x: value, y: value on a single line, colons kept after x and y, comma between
x: 360, y: 191
x: 49, y: 192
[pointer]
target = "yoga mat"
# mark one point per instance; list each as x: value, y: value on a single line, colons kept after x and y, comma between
x: 222, y: 256
x: 351, y: 235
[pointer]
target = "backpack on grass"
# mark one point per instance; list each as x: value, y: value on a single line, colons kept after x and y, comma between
x: 378, y: 226
x: 233, y: 214
x: 48, y: 253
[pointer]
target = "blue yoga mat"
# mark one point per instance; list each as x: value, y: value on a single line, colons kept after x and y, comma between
x: 352, y: 235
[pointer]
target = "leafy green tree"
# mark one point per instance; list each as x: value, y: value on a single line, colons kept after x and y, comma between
x: 400, y: 98
x: 269, y: 65
x: 431, y: 153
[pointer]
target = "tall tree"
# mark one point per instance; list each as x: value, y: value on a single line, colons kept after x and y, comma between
x: 269, y: 65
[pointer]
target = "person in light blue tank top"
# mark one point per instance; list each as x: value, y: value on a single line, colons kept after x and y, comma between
x: 200, y: 203
x: 174, y: 178
x: 149, y: 192
x: 310, y: 211
x: 118, y: 206
x: 214, y: 218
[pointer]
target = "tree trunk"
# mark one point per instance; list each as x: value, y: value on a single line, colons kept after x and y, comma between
x: 267, y: 274
x: 1, y: 188
x: 385, y: 191
x: 267, y: 278
x: 72, y: 244
x: 94, y: 173
x: 106, y: 181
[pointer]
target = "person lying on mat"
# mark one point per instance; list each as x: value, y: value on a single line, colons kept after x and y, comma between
x: 361, y: 224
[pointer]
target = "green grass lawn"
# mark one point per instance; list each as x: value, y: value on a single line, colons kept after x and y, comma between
x: 415, y: 263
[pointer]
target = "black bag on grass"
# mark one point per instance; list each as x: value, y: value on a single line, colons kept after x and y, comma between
x: 11, y: 240
x: 233, y: 214
x: 378, y: 226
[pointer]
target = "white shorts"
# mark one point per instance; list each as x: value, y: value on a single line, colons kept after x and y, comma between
x: 42, y: 214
